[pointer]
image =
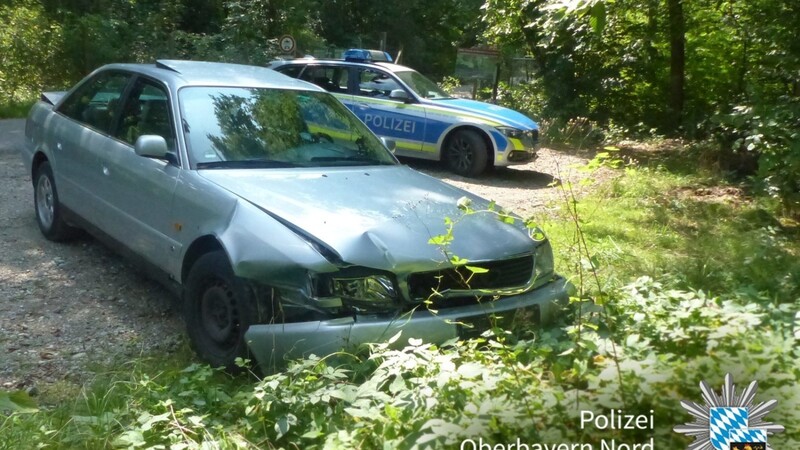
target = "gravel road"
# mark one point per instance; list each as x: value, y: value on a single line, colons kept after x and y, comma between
x: 68, y: 308
x: 65, y: 308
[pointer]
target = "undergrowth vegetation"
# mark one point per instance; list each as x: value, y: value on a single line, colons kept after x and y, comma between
x: 682, y: 278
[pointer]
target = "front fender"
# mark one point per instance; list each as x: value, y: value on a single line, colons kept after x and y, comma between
x: 263, y: 249
x: 259, y: 247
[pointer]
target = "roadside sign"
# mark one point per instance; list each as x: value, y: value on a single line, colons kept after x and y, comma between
x: 287, y: 43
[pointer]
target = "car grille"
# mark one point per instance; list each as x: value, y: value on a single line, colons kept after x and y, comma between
x: 520, y: 156
x: 504, y: 274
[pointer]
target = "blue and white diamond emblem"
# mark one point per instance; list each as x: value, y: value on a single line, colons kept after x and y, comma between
x: 722, y: 422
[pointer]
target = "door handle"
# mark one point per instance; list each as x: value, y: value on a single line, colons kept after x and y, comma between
x: 106, y: 171
x: 58, y: 146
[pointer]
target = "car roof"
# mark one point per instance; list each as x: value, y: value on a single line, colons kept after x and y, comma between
x: 180, y: 73
x: 341, y: 62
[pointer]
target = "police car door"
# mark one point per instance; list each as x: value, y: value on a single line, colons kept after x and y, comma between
x: 333, y: 78
x: 392, y: 118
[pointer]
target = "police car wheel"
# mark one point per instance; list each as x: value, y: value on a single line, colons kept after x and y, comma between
x: 465, y: 153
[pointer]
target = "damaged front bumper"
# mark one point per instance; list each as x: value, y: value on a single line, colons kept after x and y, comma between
x: 272, y: 344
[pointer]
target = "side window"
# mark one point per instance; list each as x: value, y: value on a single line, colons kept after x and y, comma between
x: 330, y: 78
x: 146, y: 112
x: 291, y: 71
x: 372, y: 83
x: 96, y: 102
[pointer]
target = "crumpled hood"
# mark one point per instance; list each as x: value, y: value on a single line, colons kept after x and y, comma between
x: 504, y: 115
x: 379, y: 217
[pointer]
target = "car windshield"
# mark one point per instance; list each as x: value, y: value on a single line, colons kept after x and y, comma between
x: 233, y: 127
x: 421, y: 85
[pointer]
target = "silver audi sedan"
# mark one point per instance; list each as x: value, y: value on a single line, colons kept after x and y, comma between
x: 283, y: 223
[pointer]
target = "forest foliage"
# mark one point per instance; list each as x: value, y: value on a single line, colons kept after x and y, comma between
x: 724, y: 71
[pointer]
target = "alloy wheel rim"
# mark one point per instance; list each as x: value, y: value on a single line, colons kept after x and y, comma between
x: 44, y: 201
x: 461, y: 154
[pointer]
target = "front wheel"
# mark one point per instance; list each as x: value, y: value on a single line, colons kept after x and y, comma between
x: 47, y: 206
x: 219, y: 308
x: 466, y: 153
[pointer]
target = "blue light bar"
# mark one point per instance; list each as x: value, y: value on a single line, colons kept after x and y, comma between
x: 362, y: 55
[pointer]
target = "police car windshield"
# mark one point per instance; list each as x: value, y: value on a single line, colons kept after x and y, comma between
x: 423, y: 87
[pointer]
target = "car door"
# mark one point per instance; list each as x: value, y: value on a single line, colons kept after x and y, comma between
x: 392, y: 118
x: 80, y: 133
x: 331, y: 77
x: 138, y: 191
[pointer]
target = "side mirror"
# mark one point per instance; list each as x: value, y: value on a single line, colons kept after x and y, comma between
x: 399, y: 94
x: 389, y: 144
x: 151, y: 146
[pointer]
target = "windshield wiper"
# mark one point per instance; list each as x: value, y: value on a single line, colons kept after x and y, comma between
x: 246, y: 164
x: 352, y: 159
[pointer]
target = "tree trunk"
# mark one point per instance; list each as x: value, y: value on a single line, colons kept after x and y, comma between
x: 677, y: 70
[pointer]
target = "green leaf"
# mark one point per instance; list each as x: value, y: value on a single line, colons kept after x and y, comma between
x: 598, y: 17
x: 148, y: 421
x: 470, y: 370
x: 17, y: 401
x: 284, y: 423
x: 465, y: 204
x: 458, y: 261
x: 567, y: 351
x: 130, y: 438
x: 475, y: 269
x: 441, y: 239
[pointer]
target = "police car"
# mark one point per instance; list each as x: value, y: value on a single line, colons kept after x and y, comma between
x: 400, y: 104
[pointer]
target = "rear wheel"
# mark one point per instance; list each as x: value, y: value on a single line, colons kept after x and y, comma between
x: 219, y: 308
x: 466, y: 153
x: 47, y: 206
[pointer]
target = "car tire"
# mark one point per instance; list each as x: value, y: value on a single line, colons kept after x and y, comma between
x: 219, y: 307
x: 466, y: 153
x: 47, y: 207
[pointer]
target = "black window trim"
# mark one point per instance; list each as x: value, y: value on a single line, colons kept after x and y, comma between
x: 126, y: 98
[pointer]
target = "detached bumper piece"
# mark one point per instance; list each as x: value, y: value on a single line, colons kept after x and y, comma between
x: 272, y: 344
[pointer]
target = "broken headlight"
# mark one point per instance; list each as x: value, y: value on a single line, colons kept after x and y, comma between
x: 373, y: 293
x: 543, y: 268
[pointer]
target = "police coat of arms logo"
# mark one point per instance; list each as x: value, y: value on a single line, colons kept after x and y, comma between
x: 729, y: 421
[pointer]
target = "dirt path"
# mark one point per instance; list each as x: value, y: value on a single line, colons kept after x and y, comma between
x: 66, y: 308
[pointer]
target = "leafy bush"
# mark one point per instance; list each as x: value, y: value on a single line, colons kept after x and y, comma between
x: 449, y: 84
x: 770, y: 136
x: 29, y: 41
x: 661, y: 343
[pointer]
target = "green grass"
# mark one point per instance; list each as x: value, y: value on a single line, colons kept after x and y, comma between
x: 697, y: 233
x: 16, y: 110
x: 697, y: 280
